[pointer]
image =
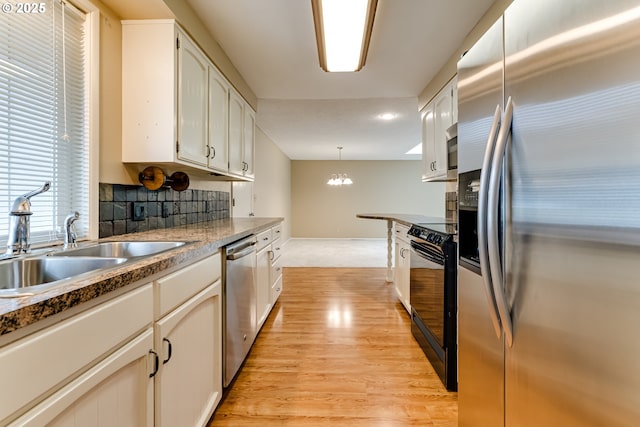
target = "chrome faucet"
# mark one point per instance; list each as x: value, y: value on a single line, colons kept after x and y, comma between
x: 19, y: 230
x: 70, y: 234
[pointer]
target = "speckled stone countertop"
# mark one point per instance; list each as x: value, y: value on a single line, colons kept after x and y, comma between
x: 205, y: 239
x: 406, y: 219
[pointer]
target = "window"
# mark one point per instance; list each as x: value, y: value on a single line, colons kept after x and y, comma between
x: 44, y: 114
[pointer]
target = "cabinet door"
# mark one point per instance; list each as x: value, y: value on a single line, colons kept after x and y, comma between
x: 402, y: 281
x: 443, y: 120
x: 218, y: 121
x: 248, y: 125
x: 236, y: 140
x: 188, y: 385
x: 116, y: 392
x: 192, y: 102
x: 428, y: 141
x: 263, y: 291
x: 454, y: 100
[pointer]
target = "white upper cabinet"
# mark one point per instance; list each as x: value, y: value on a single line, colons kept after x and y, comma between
x: 248, y: 133
x: 236, y: 112
x: 218, y: 149
x: 427, y: 117
x: 437, y: 117
x: 177, y: 108
x: 241, y: 136
x: 454, y: 100
x: 193, y: 73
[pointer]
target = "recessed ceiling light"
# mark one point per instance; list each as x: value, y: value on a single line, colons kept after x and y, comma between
x: 388, y: 116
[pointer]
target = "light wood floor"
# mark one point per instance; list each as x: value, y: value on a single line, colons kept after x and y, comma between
x: 337, y: 350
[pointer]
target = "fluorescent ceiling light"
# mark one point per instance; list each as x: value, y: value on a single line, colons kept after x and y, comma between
x: 415, y: 150
x: 343, y: 31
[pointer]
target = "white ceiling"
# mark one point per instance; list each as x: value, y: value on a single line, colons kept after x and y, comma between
x: 308, y: 112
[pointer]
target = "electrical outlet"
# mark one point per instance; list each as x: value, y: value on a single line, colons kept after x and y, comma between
x: 165, y: 210
x: 139, y: 211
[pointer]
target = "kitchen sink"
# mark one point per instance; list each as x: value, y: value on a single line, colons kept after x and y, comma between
x: 119, y: 249
x: 23, y: 275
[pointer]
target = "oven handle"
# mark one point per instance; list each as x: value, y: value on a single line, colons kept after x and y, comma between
x: 483, y: 252
x: 427, y: 253
x: 493, y: 204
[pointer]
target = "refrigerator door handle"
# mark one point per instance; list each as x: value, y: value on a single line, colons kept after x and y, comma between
x: 482, y: 222
x: 492, y: 223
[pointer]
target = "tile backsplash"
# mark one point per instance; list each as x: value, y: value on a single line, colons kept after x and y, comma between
x: 162, y: 208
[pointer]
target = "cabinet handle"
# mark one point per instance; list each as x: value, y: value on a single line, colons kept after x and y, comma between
x: 169, y: 350
x: 213, y: 152
x: 271, y: 256
x: 208, y: 151
x: 156, y: 363
x: 265, y: 238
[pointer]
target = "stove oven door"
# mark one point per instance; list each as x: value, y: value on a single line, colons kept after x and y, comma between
x: 427, y: 290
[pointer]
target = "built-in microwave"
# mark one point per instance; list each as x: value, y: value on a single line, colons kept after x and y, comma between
x: 452, y: 152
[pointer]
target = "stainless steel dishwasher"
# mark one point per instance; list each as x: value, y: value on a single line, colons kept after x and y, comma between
x: 239, y: 299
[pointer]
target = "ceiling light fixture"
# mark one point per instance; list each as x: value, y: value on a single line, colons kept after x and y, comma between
x: 339, y: 178
x: 343, y: 32
x: 387, y: 116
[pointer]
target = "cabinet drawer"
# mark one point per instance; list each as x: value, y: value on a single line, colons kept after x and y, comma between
x: 276, y: 290
x: 32, y: 366
x: 176, y: 288
x: 276, y: 232
x: 264, y: 239
x: 276, y: 270
x: 276, y: 247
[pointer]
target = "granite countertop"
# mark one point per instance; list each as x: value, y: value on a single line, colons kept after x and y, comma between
x: 406, y: 219
x: 204, y: 239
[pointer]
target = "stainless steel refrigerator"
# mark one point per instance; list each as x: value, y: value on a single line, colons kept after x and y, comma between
x: 549, y: 237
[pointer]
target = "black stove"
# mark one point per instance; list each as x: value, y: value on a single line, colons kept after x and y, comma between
x: 433, y: 290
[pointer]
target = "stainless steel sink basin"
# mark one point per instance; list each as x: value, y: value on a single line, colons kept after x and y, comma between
x: 120, y: 249
x: 22, y: 275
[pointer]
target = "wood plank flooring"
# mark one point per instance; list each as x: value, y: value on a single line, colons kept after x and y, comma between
x: 337, y: 350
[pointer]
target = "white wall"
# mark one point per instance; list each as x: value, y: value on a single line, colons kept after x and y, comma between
x: 321, y: 210
x: 272, y: 186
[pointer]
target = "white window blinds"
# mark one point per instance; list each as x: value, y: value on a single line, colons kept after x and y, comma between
x: 44, y: 115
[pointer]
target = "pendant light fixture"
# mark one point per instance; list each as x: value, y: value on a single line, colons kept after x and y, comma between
x: 343, y: 32
x: 339, y: 178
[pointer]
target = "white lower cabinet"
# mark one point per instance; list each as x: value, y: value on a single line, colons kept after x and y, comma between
x: 188, y: 342
x: 269, y: 272
x: 188, y: 384
x: 149, y: 357
x: 263, y: 291
x: 116, y: 392
x: 402, y: 269
x: 38, y: 366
